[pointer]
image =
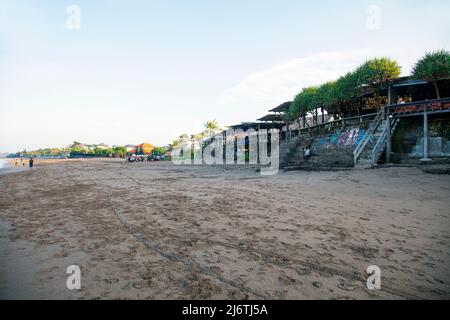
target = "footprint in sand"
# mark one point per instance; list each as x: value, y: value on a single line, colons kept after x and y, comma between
x: 345, y: 285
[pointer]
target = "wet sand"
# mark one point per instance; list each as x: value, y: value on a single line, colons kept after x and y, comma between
x: 159, y: 231
x: 7, y: 166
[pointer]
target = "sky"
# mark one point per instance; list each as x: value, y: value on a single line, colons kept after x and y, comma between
x: 148, y: 71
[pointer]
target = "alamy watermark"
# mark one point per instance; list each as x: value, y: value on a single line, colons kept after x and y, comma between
x: 73, y: 21
x: 373, y: 21
x: 73, y: 281
x: 232, y: 147
x: 374, y: 280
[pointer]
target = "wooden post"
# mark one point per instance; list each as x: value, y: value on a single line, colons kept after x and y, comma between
x: 388, y: 138
x: 288, y: 131
x: 323, y: 116
x: 425, y: 137
x: 257, y: 144
x: 389, y: 94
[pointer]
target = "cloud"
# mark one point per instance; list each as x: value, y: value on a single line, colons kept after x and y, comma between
x: 263, y: 90
x: 282, y: 81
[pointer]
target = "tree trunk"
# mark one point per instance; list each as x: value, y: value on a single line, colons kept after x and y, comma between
x: 306, y: 123
x: 323, y: 116
x: 437, y: 89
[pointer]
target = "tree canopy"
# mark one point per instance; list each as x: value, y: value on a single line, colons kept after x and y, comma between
x: 378, y: 71
x: 433, y: 67
x: 336, y: 96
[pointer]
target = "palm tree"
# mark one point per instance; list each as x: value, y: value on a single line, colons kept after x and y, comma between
x: 212, y: 127
x: 433, y: 67
x: 198, y: 136
x: 177, y: 142
x: 183, y: 137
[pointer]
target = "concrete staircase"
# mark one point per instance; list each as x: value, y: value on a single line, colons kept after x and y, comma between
x: 372, y: 147
x: 366, y: 158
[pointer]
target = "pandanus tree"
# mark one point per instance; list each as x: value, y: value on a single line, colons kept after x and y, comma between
x: 345, y: 91
x: 327, y: 97
x: 304, y: 102
x: 340, y: 96
x: 433, y: 67
x: 378, y: 71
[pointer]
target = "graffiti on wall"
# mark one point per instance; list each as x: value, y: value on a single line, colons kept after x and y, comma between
x: 350, y: 137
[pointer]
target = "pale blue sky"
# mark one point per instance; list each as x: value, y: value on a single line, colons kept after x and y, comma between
x: 151, y: 70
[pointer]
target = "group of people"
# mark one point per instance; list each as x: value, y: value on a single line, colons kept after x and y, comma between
x: 21, y: 163
x: 402, y: 100
x: 135, y: 158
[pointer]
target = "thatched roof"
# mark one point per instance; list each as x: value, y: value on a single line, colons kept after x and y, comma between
x: 284, y: 107
x: 252, y: 125
x: 272, y: 118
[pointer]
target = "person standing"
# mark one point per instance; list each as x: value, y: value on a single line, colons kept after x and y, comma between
x: 31, y: 162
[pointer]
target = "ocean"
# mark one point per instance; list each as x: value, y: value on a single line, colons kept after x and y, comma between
x: 3, y: 163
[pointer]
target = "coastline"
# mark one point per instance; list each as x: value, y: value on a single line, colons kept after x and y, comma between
x: 5, y: 162
x: 7, y: 166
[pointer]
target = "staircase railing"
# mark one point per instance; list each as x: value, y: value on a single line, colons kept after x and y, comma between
x: 379, y: 146
x: 369, y: 133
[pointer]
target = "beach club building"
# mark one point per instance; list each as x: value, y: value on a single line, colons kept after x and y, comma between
x: 401, y: 122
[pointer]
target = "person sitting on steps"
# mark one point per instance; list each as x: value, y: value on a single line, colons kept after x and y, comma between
x: 306, y: 153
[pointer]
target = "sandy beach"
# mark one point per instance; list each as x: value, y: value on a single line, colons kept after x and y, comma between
x: 160, y: 231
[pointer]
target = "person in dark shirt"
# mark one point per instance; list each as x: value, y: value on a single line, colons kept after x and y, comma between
x: 31, y: 163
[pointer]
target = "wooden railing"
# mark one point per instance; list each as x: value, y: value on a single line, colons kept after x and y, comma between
x: 418, y: 107
x: 398, y: 110
x: 337, y: 123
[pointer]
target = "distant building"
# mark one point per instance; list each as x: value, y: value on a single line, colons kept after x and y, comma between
x: 145, y: 148
x: 82, y: 145
x: 130, y: 148
x: 102, y: 146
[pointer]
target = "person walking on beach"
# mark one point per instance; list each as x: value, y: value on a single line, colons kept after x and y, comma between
x: 31, y: 162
